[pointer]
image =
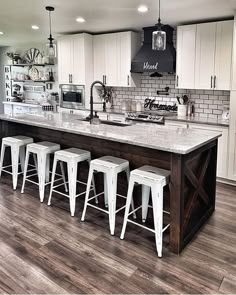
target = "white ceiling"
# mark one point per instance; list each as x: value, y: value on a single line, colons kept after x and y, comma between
x: 17, y: 16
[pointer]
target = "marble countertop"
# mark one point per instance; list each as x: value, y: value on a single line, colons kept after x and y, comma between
x: 199, y: 120
x: 21, y: 104
x: 159, y: 137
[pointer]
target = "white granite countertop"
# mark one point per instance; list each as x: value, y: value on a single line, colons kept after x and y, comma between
x: 24, y: 104
x: 199, y: 120
x: 159, y: 137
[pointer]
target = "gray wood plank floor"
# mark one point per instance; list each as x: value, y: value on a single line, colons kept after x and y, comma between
x: 44, y: 250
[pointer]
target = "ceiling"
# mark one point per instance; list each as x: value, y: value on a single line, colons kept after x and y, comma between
x: 17, y: 16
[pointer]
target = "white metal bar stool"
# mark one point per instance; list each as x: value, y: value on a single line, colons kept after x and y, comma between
x: 111, y: 167
x: 153, y: 179
x: 42, y: 150
x: 17, y: 145
x: 72, y: 157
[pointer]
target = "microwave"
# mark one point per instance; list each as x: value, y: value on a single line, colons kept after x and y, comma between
x: 72, y: 96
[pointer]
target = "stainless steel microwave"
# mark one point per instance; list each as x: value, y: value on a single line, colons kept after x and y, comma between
x: 72, y: 96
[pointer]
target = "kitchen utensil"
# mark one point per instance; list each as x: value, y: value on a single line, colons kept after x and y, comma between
x: 185, y: 99
x: 178, y: 99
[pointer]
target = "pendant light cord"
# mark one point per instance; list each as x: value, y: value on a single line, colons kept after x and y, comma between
x: 50, y: 22
x: 159, y: 19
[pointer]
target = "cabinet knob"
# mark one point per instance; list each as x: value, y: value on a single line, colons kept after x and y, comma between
x: 211, y: 81
x: 128, y: 80
x: 177, y: 81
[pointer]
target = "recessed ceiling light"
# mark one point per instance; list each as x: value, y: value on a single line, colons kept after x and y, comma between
x: 34, y: 27
x: 1, y: 33
x: 80, y: 20
x: 142, y: 8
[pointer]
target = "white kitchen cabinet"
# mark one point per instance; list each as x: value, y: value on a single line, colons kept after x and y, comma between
x: 186, y: 52
x: 205, y: 55
x: 223, y: 55
x: 232, y: 137
x: 213, y: 62
x: 223, y: 153
x: 11, y: 108
x: 99, y: 57
x: 234, y: 57
x: 75, y: 59
x: 113, y: 54
x: 65, y: 56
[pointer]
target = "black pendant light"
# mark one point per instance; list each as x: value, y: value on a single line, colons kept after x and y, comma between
x: 159, y: 36
x: 51, y: 51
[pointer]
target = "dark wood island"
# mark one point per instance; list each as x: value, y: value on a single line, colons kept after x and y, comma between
x: 190, y: 155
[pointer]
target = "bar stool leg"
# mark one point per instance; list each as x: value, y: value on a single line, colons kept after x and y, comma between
x: 22, y: 158
x: 15, y: 165
x: 93, y: 183
x: 42, y: 158
x: 72, y: 176
x: 35, y: 162
x: 53, y: 179
x: 25, y: 170
x: 127, y: 207
x: 132, y: 201
x: 94, y: 190
x: 157, y: 202
x: 47, y: 168
x: 63, y: 176
x: 90, y: 176
x: 2, y: 157
x: 145, y: 201
x: 105, y: 190
x: 112, y: 189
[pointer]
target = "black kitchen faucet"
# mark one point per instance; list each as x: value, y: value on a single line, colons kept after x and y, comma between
x: 91, y: 98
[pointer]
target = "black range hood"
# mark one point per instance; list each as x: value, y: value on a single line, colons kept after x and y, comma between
x: 149, y: 61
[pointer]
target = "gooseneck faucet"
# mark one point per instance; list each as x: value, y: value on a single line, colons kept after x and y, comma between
x: 91, y: 96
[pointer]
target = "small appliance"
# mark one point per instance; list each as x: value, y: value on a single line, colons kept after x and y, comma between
x: 72, y: 96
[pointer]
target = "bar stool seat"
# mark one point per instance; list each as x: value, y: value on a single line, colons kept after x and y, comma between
x: 152, y: 179
x: 42, y: 150
x: 71, y: 157
x: 17, y: 145
x: 111, y: 167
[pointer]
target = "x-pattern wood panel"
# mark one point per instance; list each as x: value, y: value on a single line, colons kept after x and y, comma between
x: 197, y: 183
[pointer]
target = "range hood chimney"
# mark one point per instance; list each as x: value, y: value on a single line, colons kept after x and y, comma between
x: 149, y: 61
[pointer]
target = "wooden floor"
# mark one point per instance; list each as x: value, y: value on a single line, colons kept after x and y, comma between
x: 44, y: 250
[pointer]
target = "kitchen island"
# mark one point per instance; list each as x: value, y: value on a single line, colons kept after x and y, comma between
x: 190, y: 155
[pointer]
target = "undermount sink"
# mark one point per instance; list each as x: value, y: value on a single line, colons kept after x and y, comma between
x: 109, y: 122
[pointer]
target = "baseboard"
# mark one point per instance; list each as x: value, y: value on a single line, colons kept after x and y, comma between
x: 226, y: 181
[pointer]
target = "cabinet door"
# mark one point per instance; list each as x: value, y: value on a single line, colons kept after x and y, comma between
x: 205, y: 56
x: 65, y: 52
x: 125, y: 60
x: 232, y: 137
x: 112, y: 59
x: 222, y: 155
x: 186, y: 53
x: 99, y: 57
x: 78, y: 73
x: 223, y: 56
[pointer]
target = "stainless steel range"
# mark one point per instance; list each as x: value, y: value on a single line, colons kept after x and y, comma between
x: 153, y: 113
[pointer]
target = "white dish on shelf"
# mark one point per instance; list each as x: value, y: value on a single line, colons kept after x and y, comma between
x: 34, y: 74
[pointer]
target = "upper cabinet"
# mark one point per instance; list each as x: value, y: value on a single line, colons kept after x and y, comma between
x: 113, y: 54
x: 75, y: 59
x: 204, y: 56
x: 186, y: 48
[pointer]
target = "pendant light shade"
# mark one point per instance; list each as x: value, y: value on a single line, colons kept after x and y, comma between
x: 51, y: 48
x: 159, y: 36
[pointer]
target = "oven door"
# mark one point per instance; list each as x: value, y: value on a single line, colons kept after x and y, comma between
x: 72, y: 96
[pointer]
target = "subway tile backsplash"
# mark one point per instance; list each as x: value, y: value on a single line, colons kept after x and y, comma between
x: 208, y: 103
